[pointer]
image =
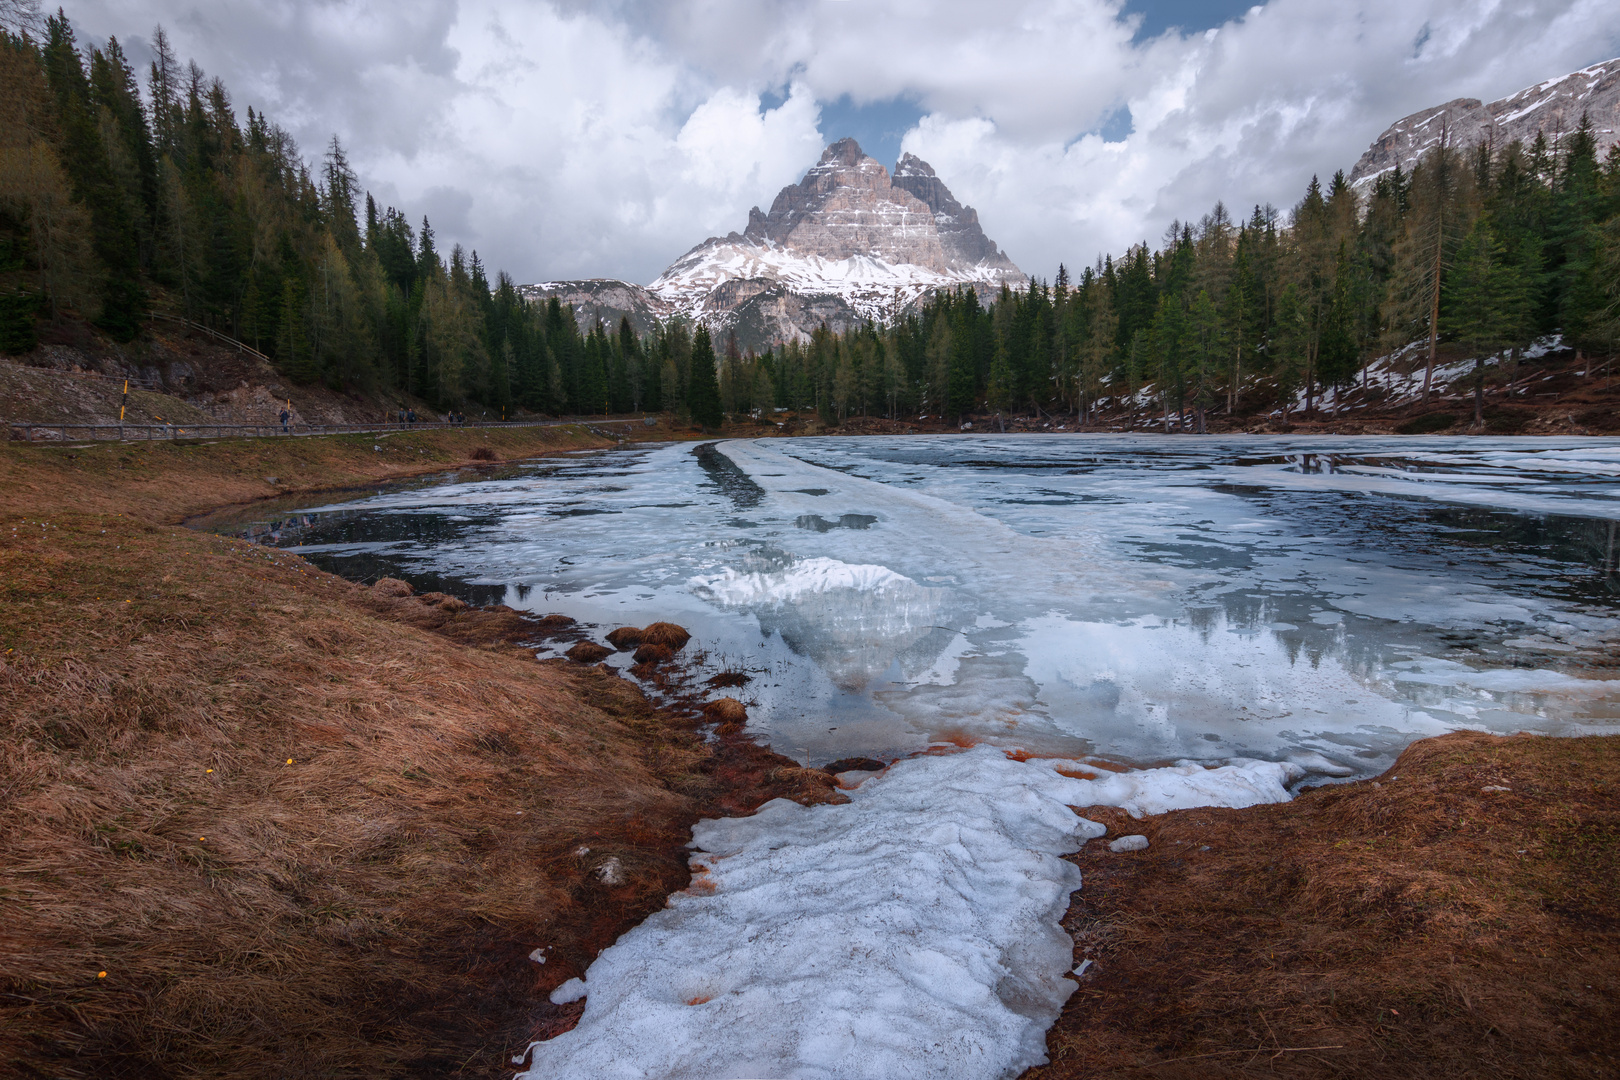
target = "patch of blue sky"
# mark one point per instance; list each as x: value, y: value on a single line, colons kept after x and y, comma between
x: 1187, y: 16
x: 878, y: 125
x: 1115, y: 127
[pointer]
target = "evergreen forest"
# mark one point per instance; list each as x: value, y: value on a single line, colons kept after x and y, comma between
x: 121, y: 195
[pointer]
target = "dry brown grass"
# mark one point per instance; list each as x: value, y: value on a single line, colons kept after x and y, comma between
x: 170, y: 481
x: 625, y: 638
x: 305, y: 828
x: 1416, y: 927
x: 667, y: 635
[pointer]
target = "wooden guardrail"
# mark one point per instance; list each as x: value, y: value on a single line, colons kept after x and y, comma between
x: 200, y: 328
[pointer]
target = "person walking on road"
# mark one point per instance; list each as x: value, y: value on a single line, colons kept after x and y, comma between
x: 285, y: 416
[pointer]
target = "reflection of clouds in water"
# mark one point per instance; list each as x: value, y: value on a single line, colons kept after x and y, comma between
x: 1321, y: 655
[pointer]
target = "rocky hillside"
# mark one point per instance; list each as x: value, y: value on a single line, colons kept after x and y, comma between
x: 1551, y: 108
x: 849, y: 242
x: 176, y: 375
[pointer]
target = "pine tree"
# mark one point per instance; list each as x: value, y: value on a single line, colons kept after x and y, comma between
x: 89, y: 170
x: 1487, y: 303
x: 1287, y: 347
x: 1207, y: 352
x: 703, y: 390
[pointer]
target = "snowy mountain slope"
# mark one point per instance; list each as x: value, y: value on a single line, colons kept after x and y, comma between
x: 847, y: 243
x: 1553, y: 108
x: 605, y: 300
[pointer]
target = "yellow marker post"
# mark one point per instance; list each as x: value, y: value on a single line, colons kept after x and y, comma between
x: 122, y: 405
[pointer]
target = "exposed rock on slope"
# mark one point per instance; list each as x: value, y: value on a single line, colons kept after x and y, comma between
x: 1552, y: 108
x: 847, y: 243
x: 959, y: 232
x: 607, y: 299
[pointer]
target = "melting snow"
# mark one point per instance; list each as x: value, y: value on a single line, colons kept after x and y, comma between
x: 910, y: 933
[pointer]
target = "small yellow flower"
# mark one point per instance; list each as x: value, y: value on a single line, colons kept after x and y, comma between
x: 210, y: 770
x: 289, y: 761
x: 101, y: 974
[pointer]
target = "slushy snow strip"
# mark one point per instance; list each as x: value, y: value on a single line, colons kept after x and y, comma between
x: 913, y: 932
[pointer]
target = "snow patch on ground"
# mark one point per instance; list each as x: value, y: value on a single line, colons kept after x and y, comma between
x: 912, y: 932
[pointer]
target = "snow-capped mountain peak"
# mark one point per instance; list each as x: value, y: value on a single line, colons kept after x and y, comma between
x: 847, y: 243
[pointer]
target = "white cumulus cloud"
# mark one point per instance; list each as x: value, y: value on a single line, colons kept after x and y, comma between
x: 570, y: 138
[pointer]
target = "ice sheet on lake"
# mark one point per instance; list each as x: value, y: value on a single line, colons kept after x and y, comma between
x: 1146, y: 598
x: 1045, y: 634
x: 910, y: 933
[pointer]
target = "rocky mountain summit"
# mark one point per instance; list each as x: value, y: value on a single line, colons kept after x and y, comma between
x: 1553, y: 108
x: 849, y: 242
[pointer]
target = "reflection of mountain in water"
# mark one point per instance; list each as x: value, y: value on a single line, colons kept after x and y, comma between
x: 854, y: 621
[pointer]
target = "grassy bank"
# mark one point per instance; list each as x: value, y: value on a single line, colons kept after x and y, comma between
x: 260, y: 821
x: 168, y: 481
x: 1456, y: 917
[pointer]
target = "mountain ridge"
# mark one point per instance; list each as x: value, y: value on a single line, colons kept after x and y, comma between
x: 1552, y: 107
x: 850, y: 242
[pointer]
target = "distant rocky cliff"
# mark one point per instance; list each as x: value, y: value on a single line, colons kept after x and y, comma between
x: 1553, y: 108
x: 847, y: 243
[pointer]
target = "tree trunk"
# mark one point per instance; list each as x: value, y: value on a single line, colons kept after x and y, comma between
x: 1479, y: 392
x: 1434, y: 305
x: 1310, y: 380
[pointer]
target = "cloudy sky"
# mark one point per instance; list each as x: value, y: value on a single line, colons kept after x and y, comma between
x: 571, y: 138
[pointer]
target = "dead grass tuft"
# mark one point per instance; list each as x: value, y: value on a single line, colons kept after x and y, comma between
x: 666, y: 634
x: 391, y: 588
x: 650, y: 654
x: 625, y: 638
x: 588, y: 652
x: 726, y: 710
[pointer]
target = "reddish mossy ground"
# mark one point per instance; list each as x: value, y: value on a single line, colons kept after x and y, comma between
x: 1421, y: 925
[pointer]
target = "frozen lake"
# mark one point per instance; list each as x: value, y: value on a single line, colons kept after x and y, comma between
x: 1230, y: 616
x: 1139, y: 599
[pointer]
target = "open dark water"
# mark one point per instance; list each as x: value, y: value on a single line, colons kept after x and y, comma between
x: 1147, y: 599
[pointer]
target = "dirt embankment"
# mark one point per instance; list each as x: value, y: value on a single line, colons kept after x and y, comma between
x: 261, y: 821
x: 1457, y: 917
x: 175, y: 375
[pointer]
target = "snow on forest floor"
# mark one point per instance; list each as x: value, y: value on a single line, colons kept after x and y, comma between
x: 913, y: 932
